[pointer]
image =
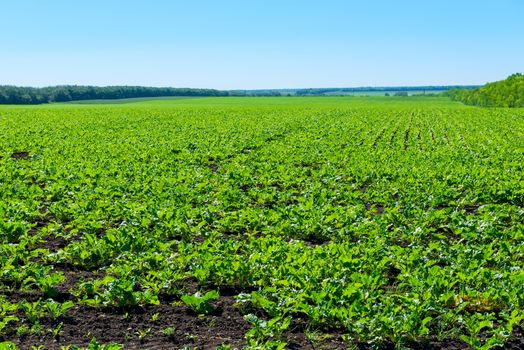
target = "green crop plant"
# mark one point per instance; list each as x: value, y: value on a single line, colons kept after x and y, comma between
x: 46, y: 282
x: 123, y: 293
x: 55, y: 309
x: 169, y: 331
x: 7, y: 313
x: 200, y: 303
x: 267, y: 333
x: 32, y: 310
x: 5, y: 320
x: 7, y: 345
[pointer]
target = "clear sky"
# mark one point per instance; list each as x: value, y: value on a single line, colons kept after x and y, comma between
x: 244, y: 44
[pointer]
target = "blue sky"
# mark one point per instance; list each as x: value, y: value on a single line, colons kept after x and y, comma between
x: 233, y: 44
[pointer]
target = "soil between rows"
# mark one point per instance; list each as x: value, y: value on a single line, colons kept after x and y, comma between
x: 155, y: 327
x: 176, y: 327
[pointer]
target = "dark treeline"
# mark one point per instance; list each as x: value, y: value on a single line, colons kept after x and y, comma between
x: 324, y: 91
x: 29, y: 95
x: 360, y: 90
x: 504, y: 93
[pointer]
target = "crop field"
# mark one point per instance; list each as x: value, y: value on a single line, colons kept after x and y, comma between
x: 262, y: 223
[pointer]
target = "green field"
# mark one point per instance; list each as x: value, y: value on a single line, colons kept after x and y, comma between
x: 262, y: 223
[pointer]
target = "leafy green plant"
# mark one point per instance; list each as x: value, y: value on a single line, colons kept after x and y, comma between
x: 7, y: 345
x: 200, y: 303
x: 58, y: 330
x: 224, y: 347
x: 123, y: 293
x: 7, y: 313
x: 57, y: 309
x: 22, y: 330
x: 94, y: 345
x: 12, y: 231
x: 267, y: 333
x: 45, y: 281
x: 5, y: 321
x: 169, y: 331
x: 143, y: 333
x: 33, y: 311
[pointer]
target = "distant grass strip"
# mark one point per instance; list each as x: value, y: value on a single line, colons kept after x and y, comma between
x: 131, y: 100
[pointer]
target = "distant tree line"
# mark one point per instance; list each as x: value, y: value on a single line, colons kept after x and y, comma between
x: 30, y: 95
x: 398, y: 89
x: 504, y: 93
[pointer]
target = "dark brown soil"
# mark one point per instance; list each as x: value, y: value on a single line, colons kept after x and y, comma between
x: 471, y: 209
x: 375, y: 209
x: 52, y: 243
x: 20, y: 155
x: 516, y: 341
x: 155, y: 327
x: 174, y: 327
x: 213, y: 167
x: 15, y: 295
x: 73, y: 278
x: 299, y: 340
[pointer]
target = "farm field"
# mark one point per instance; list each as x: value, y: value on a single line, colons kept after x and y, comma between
x: 262, y: 223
